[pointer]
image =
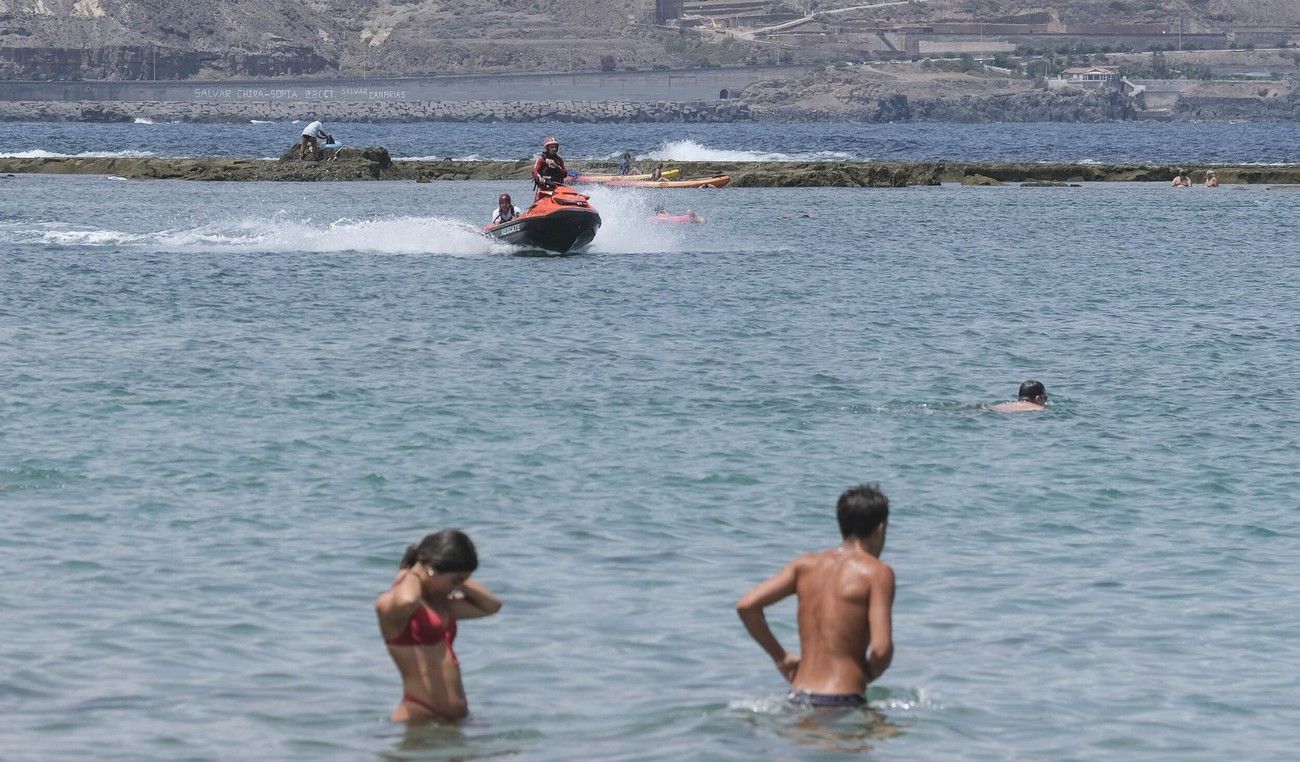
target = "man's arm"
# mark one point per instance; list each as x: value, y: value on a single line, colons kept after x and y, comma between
x: 750, y: 609
x: 880, y: 619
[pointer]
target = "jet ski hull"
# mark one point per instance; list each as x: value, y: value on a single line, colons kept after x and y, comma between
x: 561, y: 221
x: 560, y: 231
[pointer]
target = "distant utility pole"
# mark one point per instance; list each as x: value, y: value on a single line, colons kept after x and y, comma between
x: 1180, y: 32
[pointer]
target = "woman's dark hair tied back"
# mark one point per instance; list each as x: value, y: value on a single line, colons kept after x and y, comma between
x: 447, y: 551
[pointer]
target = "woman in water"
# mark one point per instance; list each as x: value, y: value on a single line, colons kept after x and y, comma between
x: 417, y: 617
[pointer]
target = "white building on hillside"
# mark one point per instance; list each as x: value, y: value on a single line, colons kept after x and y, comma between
x: 1091, y: 74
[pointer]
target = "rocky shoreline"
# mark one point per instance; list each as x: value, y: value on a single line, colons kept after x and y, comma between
x: 573, y: 111
x: 375, y: 164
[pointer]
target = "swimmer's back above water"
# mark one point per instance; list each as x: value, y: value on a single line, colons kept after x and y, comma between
x: 845, y: 596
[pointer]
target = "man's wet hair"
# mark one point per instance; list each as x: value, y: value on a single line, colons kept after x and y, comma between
x: 860, y: 510
x: 1031, y: 390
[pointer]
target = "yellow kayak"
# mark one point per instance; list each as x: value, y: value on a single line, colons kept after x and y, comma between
x: 704, y: 182
x: 601, y: 178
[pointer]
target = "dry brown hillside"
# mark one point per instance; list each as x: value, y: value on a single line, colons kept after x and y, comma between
x: 143, y: 39
x: 1207, y: 12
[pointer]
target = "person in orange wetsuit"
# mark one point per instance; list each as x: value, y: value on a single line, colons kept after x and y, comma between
x: 549, y: 171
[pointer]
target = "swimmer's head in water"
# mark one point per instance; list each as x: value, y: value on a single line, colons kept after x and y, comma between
x: 1032, y: 391
x: 448, y: 551
x: 861, y: 510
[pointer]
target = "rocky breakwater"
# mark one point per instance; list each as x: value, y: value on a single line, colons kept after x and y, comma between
x: 573, y: 111
x: 345, y: 164
x: 376, y: 164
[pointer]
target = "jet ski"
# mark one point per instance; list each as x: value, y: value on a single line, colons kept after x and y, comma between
x: 560, y: 221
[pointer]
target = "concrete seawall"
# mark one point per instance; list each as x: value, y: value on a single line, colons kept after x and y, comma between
x: 679, y: 85
x: 385, y: 111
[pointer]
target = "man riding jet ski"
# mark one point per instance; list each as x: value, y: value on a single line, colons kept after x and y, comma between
x: 559, y: 221
x: 549, y: 171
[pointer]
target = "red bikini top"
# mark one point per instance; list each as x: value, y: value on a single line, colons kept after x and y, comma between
x: 426, y: 628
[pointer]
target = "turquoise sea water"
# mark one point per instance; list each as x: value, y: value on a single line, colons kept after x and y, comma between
x: 227, y: 408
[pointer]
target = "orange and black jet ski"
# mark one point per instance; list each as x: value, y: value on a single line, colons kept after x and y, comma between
x: 561, y: 220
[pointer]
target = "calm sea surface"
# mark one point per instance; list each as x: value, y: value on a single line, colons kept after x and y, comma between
x: 227, y: 408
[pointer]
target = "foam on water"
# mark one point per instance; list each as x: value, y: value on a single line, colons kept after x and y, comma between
x: 624, y: 223
x: 624, y: 230
x: 689, y: 150
x: 284, y: 232
x: 40, y: 153
x: 281, y: 232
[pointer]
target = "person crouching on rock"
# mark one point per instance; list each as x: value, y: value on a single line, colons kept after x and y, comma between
x: 506, y: 210
x: 311, y: 137
x: 549, y: 171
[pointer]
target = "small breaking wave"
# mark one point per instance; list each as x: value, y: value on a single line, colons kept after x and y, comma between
x: 281, y: 232
x: 623, y: 231
x: 689, y: 150
x: 40, y: 153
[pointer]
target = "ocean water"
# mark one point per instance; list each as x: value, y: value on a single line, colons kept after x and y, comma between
x: 227, y: 408
x: 1168, y: 143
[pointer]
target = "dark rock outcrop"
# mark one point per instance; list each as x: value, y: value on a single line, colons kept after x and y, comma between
x: 101, y: 114
x: 377, y: 155
x: 1027, y: 106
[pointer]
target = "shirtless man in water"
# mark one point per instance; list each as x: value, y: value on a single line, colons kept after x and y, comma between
x: 1032, y: 399
x: 846, y: 597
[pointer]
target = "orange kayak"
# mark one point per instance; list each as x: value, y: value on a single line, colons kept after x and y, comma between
x: 705, y: 182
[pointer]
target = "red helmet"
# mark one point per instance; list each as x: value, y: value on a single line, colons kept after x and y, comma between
x: 505, y: 198
x: 551, y: 141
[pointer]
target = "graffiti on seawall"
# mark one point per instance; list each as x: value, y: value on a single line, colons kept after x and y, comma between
x: 298, y: 94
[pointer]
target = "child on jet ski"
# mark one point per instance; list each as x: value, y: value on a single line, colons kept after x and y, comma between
x: 549, y: 171
x: 506, y: 210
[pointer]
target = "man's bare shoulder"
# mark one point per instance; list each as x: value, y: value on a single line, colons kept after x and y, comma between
x: 1018, y: 407
x: 838, y: 559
